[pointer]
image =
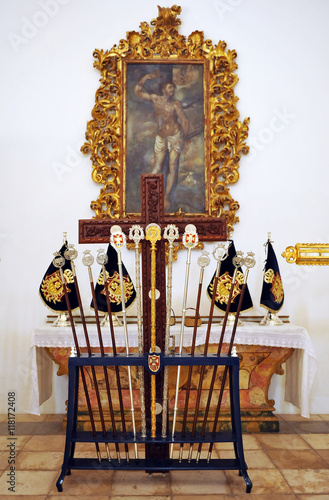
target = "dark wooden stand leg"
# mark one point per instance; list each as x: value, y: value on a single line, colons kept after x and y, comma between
x: 72, y: 409
x: 75, y: 414
x: 236, y: 424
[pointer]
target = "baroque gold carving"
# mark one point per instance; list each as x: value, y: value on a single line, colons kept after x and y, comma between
x: 307, y: 254
x: 225, y: 135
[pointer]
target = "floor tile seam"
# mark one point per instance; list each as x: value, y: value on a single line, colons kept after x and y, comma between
x: 311, y: 433
x: 41, y: 469
x: 8, y: 465
x: 21, y: 448
x: 316, y: 451
x: 299, y: 467
x: 111, y: 484
x: 282, y: 415
x: 304, y: 470
x: 309, y: 494
x: 170, y: 485
x: 308, y: 469
x: 261, y: 444
x: 268, y: 457
x: 309, y: 447
x: 284, y: 479
x: 303, y: 431
x: 314, y: 434
x: 228, y: 481
x: 318, y: 415
x: 33, y: 428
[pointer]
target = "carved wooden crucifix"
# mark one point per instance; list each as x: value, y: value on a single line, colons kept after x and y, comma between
x: 152, y: 211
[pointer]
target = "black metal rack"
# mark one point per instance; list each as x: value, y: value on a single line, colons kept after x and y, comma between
x: 165, y: 463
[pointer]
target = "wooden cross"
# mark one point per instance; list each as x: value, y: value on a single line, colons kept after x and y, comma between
x: 152, y: 211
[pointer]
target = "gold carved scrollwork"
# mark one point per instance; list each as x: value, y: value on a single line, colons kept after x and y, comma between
x: 225, y: 135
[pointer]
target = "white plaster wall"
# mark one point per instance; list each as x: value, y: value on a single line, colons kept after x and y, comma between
x: 47, y: 92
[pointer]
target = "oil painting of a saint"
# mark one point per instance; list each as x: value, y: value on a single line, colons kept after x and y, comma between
x: 165, y: 133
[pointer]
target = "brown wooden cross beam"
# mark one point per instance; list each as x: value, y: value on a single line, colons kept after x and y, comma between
x: 152, y: 211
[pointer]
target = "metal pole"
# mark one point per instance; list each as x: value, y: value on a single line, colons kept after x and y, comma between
x: 237, y: 261
x: 118, y: 240
x: 203, y: 262
x: 170, y: 234
x: 136, y: 233
x: 71, y: 254
x: 102, y: 260
x: 190, y: 240
x: 59, y: 262
x: 219, y: 254
x: 249, y: 262
x: 88, y: 260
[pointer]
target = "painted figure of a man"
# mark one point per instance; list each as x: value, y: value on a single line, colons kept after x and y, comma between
x: 172, y: 129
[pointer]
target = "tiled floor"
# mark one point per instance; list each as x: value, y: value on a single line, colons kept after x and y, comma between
x: 291, y: 464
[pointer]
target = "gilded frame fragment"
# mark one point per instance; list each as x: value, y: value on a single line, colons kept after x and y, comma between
x: 224, y: 134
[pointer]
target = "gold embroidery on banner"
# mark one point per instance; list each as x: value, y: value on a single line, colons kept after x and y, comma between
x: 52, y: 287
x: 277, y: 287
x: 268, y: 276
x: 224, y: 285
x: 239, y: 278
x: 114, y: 288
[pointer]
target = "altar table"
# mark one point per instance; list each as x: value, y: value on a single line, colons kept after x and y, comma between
x: 262, y: 350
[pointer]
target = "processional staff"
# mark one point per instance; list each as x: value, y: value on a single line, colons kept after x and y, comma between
x: 102, y: 259
x: 170, y: 234
x: 219, y: 254
x: 249, y: 262
x: 237, y: 262
x: 88, y: 261
x: 59, y: 262
x: 190, y: 240
x: 118, y: 241
x: 136, y: 233
x: 71, y: 254
x: 153, y: 234
x: 203, y: 261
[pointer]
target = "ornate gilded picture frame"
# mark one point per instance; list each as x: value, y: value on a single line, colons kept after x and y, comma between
x: 166, y: 103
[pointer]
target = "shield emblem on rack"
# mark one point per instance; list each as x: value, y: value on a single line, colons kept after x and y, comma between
x: 118, y: 240
x: 154, y: 362
x: 190, y: 239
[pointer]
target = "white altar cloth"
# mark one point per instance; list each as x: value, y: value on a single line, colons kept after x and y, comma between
x: 300, y: 367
